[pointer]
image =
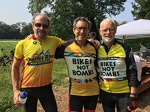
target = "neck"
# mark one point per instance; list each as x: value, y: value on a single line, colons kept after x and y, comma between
x: 108, y: 44
x: 39, y: 38
x: 81, y: 43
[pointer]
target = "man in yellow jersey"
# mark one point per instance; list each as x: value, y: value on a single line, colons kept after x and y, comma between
x: 36, y: 54
x: 118, y: 72
x: 80, y: 57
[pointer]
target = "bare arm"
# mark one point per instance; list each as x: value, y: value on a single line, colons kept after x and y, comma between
x: 134, y: 90
x: 15, y: 76
x: 96, y: 43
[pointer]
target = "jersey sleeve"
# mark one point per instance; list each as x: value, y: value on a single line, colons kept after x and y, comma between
x: 19, y: 50
x: 60, y: 50
x: 131, y: 69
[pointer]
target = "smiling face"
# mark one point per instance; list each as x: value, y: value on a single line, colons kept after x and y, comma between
x: 40, y: 26
x: 81, y: 28
x: 107, y: 31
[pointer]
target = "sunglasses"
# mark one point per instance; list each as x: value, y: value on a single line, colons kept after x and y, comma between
x: 39, y: 25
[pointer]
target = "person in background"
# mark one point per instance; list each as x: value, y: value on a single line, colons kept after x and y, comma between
x: 2, y: 53
x: 2, y: 56
x: 12, y: 54
x: 92, y: 36
x: 36, y: 53
x: 118, y: 72
x: 138, y: 65
x: 142, y: 49
x: 80, y: 57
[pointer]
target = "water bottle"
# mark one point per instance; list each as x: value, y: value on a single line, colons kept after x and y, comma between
x: 23, y: 97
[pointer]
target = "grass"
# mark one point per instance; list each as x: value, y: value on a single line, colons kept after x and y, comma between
x: 6, y: 92
x: 7, y: 46
x: 59, y: 74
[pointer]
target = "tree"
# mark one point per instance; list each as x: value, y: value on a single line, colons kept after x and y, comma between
x: 15, y: 31
x: 3, y: 28
x: 63, y: 12
x: 8, y: 32
x: 26, y: 30
x: 141, y: 9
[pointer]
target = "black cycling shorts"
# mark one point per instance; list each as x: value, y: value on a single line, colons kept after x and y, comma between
x: 110, y: 101
x: 76, y: 103
x: 44, y: 95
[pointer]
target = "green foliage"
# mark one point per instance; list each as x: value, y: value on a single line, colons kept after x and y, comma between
x: 26, y: 30
x: 6, y: 91
x: 134, y: 44
x: 15, y: 31
x: 60, y: 73
x: 141, y: 9
x: 36, y: 6
x: 63, y: 12
x: 8, y: 32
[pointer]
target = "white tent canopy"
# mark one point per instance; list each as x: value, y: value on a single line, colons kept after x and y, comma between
x: 133, y: 30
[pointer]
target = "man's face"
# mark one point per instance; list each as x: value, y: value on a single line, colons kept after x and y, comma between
x: 81, y: 31
x: 40, y: 27
x: 107, y: 31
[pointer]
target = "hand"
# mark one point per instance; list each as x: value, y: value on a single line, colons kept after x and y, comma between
x: 132, y: 103
x: 16, y: 98
x: 96, y: 43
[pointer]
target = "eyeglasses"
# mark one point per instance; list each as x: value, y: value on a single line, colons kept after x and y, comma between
x: 82, y: 28
x: 110, y: 30
x: 39, y: 25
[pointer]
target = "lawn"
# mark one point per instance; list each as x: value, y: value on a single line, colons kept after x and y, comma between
x: 59, y: 79
x: 6, y: 92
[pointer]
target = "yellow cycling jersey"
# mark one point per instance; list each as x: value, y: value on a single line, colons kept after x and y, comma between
x: 37, y: 59
x: 113, y: 69
x: 81, y: 68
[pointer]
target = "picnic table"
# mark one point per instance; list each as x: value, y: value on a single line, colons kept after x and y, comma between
x: 145, y: 80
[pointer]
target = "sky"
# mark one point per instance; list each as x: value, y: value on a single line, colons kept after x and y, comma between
x: 13, y: 11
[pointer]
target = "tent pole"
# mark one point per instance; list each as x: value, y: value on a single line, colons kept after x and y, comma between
x: 123, y: 39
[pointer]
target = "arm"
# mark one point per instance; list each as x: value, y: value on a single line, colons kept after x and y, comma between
x: 15, y: 76
x: 133, y: 90
x: 59, y: 53
x: 133, y: 82
x: 96, y: 43
x: 132, y: 102
x: 61, y: 49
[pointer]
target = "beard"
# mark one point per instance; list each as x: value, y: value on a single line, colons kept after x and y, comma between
x: 107, y: 39
x: 41, y: 34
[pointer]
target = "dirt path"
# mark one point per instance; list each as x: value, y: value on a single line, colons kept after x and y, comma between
x: 61, y: 95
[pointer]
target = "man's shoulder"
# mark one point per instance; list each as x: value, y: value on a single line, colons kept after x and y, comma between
x: 52, y: 37
x: 125, y: 45
x: 23, y: 40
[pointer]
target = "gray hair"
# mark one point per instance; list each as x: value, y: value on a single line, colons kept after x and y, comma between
x: 44, y: 15
x: 82, y: 19
x: 107, y: 19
